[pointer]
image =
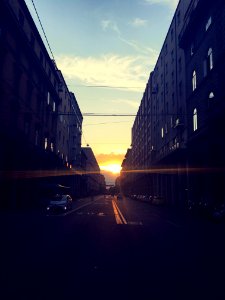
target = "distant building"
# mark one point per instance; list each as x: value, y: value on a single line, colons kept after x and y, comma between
x: 179, y: 122
x: 69, y: 126
x: 94, y: 180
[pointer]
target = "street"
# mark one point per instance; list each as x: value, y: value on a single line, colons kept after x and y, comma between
x: 106, y: 248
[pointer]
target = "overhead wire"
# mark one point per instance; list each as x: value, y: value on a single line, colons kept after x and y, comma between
x: 43, y: 31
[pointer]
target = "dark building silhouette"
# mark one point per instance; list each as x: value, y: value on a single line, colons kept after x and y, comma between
x: 204, y: 47
x: 40, y: 119
x: 94, y: 181
x: 179, y: 121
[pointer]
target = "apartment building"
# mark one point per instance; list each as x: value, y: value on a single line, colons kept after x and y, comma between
x: 179, y: 124
x: 93, y: 180
x: 202, y: 39
x: 159, y: 132
x: 40, y: 120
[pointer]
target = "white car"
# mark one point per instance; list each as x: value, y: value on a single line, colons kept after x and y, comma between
x: 60, y: 202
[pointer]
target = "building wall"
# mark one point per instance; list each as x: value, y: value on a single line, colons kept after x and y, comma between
x: 159, y: 133
x: 32, y: 93
x: 203, y: 31
x: 170, y: 147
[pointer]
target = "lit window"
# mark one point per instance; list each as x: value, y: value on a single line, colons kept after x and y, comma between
x: 195, y: 120
x: 162, y: 133
x: 48, y: 98
x: 210, y: 59
x: 52, y: 147
x: 209, y: 22
x: 194, y: 81
x: 53, y: 106
x: 211, y: 95
x: 46, y: 143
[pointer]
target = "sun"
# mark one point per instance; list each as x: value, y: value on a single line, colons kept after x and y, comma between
x: 113, y: 168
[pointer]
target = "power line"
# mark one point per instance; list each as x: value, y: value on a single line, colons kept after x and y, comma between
x: 105, y: 123
x: 43, y: 30
x: 106, y: 86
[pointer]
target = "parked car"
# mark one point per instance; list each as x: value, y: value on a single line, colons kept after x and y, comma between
x: 60, y: 202
x: 119, y: 197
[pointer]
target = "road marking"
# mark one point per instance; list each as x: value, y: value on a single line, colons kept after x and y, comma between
x: 118, y: 215
x: 135, y: 223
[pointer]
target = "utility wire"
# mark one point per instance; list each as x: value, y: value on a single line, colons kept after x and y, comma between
x: 43, y: 31
x: 106, y: 86
x: 105, y: 123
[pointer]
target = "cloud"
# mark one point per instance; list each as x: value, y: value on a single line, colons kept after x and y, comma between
x: 109, y: 24
x: 171, y: 3
x: 139, y: 22
x: 128, y: 102
x: 112, y: 158
x: 108, y: 70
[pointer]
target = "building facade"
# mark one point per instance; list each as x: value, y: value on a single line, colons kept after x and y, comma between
x: 202, y: 40
x: 178, y: 105
x: 94, y: 181
x: 40, y: 119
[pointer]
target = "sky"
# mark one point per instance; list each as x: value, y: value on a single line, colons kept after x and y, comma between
x: 113, y: 43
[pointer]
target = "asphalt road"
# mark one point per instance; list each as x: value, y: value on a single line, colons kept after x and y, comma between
x: 110, y: 248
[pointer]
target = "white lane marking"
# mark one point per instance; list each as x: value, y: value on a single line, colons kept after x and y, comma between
x: 135, y: 223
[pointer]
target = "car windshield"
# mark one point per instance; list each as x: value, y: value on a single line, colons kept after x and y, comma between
x: 58, y: 198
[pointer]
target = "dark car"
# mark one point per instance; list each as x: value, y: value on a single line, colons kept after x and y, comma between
x: 60, y: 202
x: 119, y: 197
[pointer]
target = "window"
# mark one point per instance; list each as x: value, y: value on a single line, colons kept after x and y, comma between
x: 171, y: 34
x: 46, y: 143
x: 211, y: 95
x: 26, y: 127
x: 167, y: 88
x: 180, y: 89
x: 180, y: 64
x: 53, y: 106
x: 162, y: 132
x: 178, y: 17
x: 41, y: 57
x: 210, y: 59
x: 192, y: 49
x: 52, y: 146
x: 194, y: 80
x: 172, y: 56
x: 32, y: 40
x: 21, y: 18
x: 208, y: 62
x: 166, y: 49
x: 209, y: 22
x: 48, y: 98
x: 195, y: 120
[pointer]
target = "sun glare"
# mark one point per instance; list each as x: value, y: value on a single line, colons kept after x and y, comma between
x: 113, y: 168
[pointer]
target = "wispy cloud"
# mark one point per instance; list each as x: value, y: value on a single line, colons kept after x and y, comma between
x: 138, y: 22
x: 109, y: 70
x: 109, y: 158
x: 141, y: 49
x: 109, y: 24
x: 171, y: 3
x: 131, y: 103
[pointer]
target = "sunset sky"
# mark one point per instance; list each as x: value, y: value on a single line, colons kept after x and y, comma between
x: 112, y: 43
